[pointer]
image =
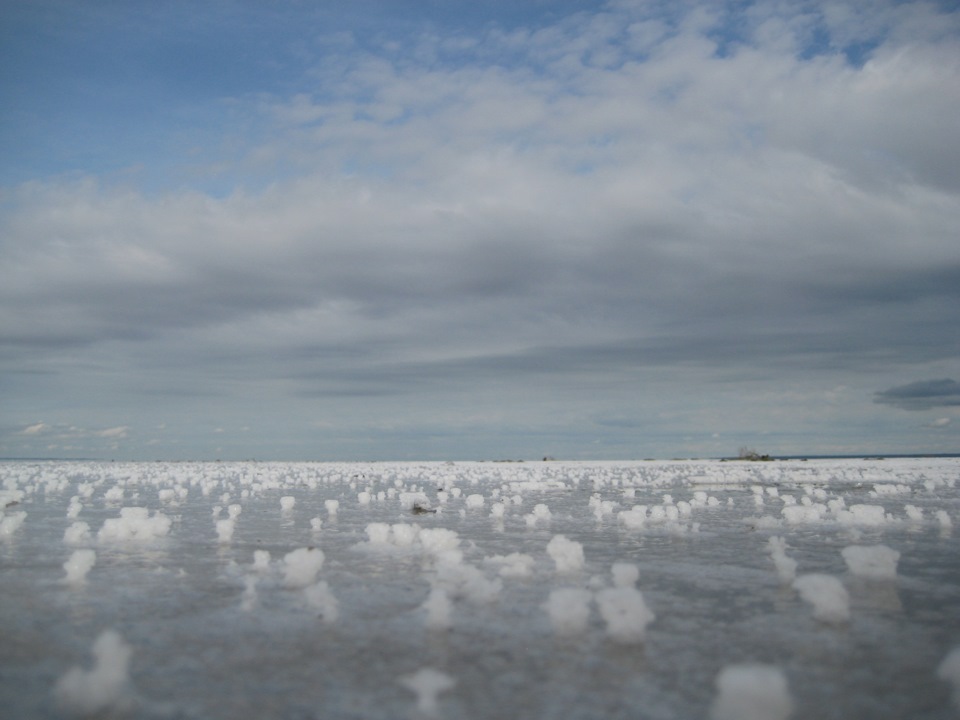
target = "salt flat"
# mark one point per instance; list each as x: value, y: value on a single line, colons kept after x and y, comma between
x: 685, y: 589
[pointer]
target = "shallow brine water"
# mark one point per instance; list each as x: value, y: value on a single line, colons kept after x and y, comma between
x: 480, y: 590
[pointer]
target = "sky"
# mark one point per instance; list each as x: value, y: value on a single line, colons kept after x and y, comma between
x: 422, y: 230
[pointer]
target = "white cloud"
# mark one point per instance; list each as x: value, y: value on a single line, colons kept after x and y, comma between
x: 580, y: 202
x: 34, y: 429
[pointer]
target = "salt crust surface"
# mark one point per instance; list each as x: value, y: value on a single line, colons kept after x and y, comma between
x: 541, y: 590
x: 877, y: 562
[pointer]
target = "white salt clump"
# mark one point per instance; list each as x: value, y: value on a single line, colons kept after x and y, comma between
x: 512, y: 565
x: 234, y: 510
x: 913, y: 512
x: 319, y: 596
x: 541, y: 513
x: 10, y: 523
x: 103, y: 688
x: 569, y: 610
x: 78, y: 565
x: 439, y: 609
x: 378, y: 533
x: 287, y: 502
x: 949, y: 670
x: 225, y: 530
x: 625, y: 574
x: 316, y: 524
x: 363, y: 498
x: 786, y: 566
x: 302, y: 566
x: 876, y: 562
x: 73, y: 510
x: 465, y: 581
x: 249, y: 597
x: 114, y: 495
x: 439, y: 541
x: 427, y: 684
x: 78, y: 532
x: 497, y: 510
x: 829, y: 598
x: 625, y: 613
x: 135, y: 523
x: 567, y: 554
x: 403, y: 534
x: 261, y: 560
x: 332, y: 506
x: 474, y: 501
x: 634, y: 518
x: 751, y: 692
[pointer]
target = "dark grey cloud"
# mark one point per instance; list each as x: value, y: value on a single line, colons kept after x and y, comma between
x: 922, y: 395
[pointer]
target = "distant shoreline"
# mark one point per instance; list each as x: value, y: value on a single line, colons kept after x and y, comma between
x: 771, y: 458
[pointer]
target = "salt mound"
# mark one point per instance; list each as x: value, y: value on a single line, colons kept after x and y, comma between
x: 569, y: 610
x: 786, y: 566
x: 105, y: 687
x: 475, y: 501
x: 261, y: 560
x: 541, y: 513
x: 827, y: 595
x: 302, y: 566
x: 465, y: 581
x: 10, y: 522
x: 378, y: 533
x: 135, y: 523
x: 438, y: 541
x: 567, y: 554
x: 751, y: 692
x: 427, y: 683
x: 876, y: 562
x: 512, y: 565
x: 78, y: 565
x: 625, y: 613
x: 77, y: 533
x: 225, y: 530
x: 287, y: 502
x: 634, y: 518
x: 249, y: 597
x: 404, y: 535
x: 439, y: 608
